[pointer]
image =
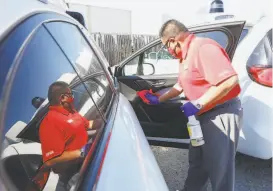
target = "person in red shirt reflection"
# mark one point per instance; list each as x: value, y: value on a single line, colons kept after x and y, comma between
x: 63, y: 136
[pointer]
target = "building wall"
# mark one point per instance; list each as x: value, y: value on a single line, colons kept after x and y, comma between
x: 104, y: 20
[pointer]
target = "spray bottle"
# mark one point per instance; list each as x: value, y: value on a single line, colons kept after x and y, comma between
x: 195, y: 131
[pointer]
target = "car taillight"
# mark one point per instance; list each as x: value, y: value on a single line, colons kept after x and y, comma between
x: 261, y: 74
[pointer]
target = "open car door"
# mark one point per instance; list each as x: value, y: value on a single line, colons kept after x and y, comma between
x: 152, y: 67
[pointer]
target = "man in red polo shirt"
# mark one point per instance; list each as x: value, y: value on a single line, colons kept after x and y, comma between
x: 210, y: 83
x: 63, y: 136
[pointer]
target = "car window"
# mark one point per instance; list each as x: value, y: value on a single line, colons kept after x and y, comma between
x: 218, y: 36
x: 41, y: 63
x: 155, y: 61
x: 96, y: 87
x: 81, y: 56
x: 243, y: 34
x: 262, y: 54
x: 158, y: 61
x: 83, y: 102
x: 75, y: 47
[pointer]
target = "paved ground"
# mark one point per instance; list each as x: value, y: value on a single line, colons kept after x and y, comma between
x: 251, y: 174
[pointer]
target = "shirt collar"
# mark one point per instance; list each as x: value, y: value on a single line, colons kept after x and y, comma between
x: 59, y: 109
x: 186, y: 45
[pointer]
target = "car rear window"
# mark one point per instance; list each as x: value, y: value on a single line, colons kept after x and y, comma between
x: 221, y: 37
x: 243, y: 34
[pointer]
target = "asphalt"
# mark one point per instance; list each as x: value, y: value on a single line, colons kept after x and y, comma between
x: 252, y: 174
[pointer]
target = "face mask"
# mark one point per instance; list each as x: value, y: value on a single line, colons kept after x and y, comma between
x: 174, y: 54
x: 70, y: 99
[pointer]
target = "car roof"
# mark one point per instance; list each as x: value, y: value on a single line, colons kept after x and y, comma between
x: 218, y: 18
x: 15, y: 11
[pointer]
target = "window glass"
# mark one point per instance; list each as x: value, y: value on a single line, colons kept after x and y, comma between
x: 97, y: 89
x: 81, y: 56
x: 218, y: 36
x: 155, y: 61
x: 243, y: 34
x: 41, y: 63
x: 85, y: 105
x: 130, y: 68
x: 262, y: 54
x: 75, y: 47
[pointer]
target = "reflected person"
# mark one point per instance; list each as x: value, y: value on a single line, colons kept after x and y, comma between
x: 63, y: 137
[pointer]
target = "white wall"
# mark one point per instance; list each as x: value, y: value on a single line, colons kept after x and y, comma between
x: 103, y: 19
x: 110, y: 20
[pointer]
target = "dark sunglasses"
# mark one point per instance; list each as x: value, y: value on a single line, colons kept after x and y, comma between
x: 167, y: 43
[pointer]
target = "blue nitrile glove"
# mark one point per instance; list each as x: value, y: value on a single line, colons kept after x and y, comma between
x: 190, y: 108
x: 149, y: 97
x: 153, y: 99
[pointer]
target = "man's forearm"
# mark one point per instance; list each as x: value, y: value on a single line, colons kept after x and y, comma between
x: 217, y: 92
x: 169, y: 95
x: 67, y: 156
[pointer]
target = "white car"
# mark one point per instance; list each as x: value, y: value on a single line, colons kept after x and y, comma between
x: 150, y: 67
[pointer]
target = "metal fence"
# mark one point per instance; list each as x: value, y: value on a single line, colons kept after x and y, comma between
x: 116, y: 47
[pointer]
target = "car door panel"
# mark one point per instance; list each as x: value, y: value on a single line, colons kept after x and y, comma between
x: 166, y: 120
x: 162, y: 121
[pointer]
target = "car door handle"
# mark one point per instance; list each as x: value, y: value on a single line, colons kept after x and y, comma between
x: 158, y: 83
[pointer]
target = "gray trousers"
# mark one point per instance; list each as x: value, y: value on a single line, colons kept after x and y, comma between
x: 215, y: 160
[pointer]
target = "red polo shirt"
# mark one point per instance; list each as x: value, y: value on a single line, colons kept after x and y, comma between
x: 205, y: 64
x: 62, y: 131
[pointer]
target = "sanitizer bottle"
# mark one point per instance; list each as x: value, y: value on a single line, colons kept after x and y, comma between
x: 195, y: 132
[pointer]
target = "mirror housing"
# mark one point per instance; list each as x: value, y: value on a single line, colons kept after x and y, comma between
x: 77, y: 16
x: 14, y: 131
x: 37, y: 102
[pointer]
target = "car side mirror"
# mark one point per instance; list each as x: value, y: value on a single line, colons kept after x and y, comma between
x: 148, y: 69
x: 77, y: 16
x: 14, y: 131
x: 37, y: 102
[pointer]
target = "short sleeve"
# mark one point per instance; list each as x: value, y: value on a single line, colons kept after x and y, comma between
x: 214, y: 64
x: 52, y: 140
